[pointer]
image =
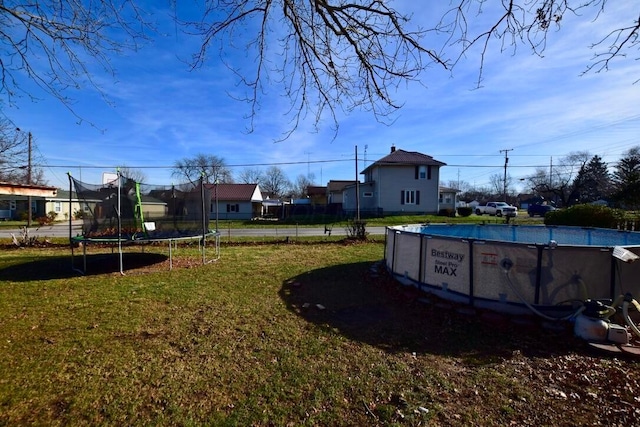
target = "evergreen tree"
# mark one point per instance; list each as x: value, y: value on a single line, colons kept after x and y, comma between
x: 593, y: 181
x: 626, y: 180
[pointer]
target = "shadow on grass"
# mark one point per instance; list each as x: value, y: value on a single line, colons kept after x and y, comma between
x: 60, y: 267
x: 365, y: 304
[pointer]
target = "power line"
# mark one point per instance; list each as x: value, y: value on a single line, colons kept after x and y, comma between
x: 227, y: 166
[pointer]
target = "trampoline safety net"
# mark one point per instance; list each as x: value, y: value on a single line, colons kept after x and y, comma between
x: 128, y: 210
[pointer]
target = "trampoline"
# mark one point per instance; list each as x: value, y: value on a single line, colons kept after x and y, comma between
x: 122, y: 211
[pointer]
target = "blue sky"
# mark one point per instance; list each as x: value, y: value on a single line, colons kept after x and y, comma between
x: 159, y: 112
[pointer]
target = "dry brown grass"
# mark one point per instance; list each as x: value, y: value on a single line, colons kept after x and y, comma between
x: 243, y: 342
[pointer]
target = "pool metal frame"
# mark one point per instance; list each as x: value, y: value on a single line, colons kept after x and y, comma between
x: 494, y: 273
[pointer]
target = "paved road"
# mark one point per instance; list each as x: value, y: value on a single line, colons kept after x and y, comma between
x: 62, y: 230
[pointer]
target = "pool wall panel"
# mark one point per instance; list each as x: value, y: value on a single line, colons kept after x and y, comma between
x: 509, y: 275
x: 407, y: 261
x: 504, y: 272
x: 446, y: 264
x: 575, y: 273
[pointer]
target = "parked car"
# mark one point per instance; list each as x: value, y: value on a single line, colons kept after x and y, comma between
x: 539, y: 209
x: 497, y: 209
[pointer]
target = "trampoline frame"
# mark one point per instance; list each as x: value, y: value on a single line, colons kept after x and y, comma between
x: 120, y: 241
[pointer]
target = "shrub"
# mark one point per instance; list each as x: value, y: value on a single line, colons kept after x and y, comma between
x: 447, y: 212
x: 48, y: 219
x: 356, y: 229
x: 465, y: 211
x: 585, y: 216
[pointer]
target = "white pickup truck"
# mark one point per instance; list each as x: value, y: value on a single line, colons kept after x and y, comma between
x: 497, y: 209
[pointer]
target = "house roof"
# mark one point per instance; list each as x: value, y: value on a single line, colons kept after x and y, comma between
x: 402, y: 158
x: 448, y: 190
x: 13, y: 189
x: 336, y: 186
x: 314, y: 190
x: 236, y: 192
x: 63, y: 195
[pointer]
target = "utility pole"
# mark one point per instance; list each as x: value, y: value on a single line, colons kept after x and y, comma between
x: 29, y: 215
x: 357, y: 189
x: 506, y: 161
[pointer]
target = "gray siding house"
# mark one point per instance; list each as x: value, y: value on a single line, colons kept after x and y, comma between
x: 403, y: 182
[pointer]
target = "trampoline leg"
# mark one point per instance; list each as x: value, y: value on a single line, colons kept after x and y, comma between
x: 170, y: 256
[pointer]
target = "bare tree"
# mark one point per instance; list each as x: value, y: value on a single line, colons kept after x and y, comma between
x: 251, y: 176
x: 13, y: 153
x: 499, y: 187
x: 458, y: 184
x: 275, y: 182
x: 137, y: 175
x: 16, y: 163
x: 481, y: 194
x: 211, y: 168
x: 557, y: 183
x: 299, y: 189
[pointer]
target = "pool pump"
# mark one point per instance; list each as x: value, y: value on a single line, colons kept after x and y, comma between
x: 593, y: 324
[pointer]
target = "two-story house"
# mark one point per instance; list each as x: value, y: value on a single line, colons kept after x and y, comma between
x: 403, y: 182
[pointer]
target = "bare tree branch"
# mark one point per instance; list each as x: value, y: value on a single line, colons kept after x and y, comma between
x: 60, y: 45
x: 325, y: 57
x: 614, y: 43
x: 514, y: 23
x: 332, y: 56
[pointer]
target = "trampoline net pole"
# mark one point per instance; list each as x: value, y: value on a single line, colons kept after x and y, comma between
x: 119, y: 218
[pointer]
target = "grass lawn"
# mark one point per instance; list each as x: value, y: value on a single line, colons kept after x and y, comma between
x: 242, y: 341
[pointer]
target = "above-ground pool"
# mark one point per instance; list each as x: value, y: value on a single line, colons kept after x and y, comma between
x: 514, y: 268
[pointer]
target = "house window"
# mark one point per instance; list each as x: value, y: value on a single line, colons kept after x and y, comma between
x: 367, y: 194
x: 86, y: 207
x: 233, y: 207
x: 410, y: 197
x: 57, y: 207
x: 422, y: 172
x: 445, y: 198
